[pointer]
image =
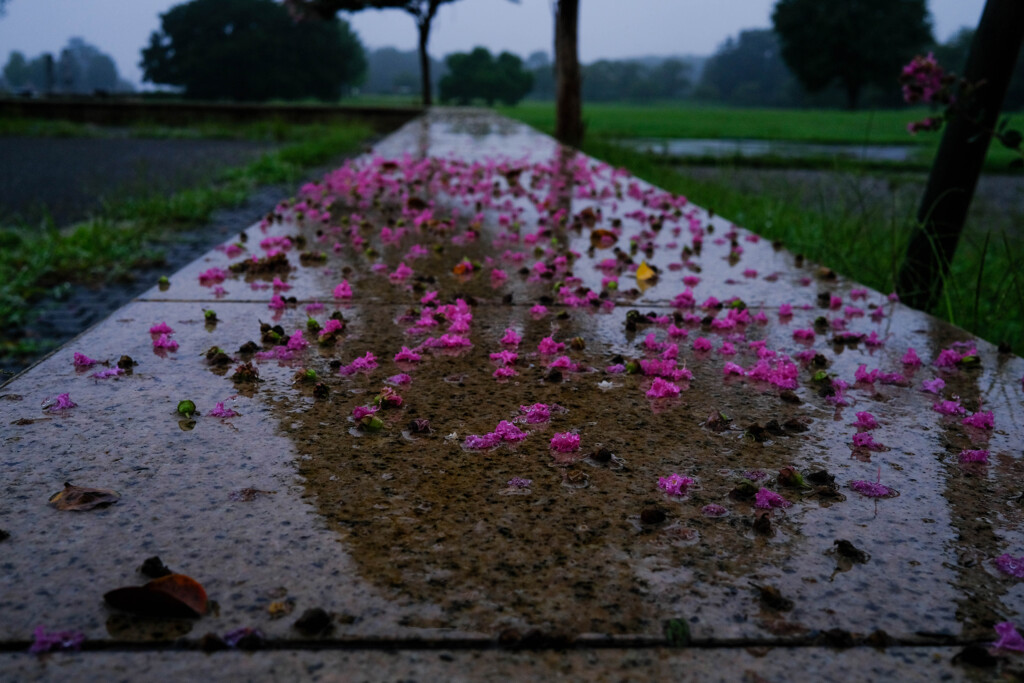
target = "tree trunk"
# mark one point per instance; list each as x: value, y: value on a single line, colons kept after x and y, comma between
x: 423, y: 26
x: 957, y: 165
x: 568, y: 108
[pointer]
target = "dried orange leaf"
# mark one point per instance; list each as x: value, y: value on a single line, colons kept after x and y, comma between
x: 171, y: 596
x: 644, y: 272
x: 603, y: 238
x: 82, y: 498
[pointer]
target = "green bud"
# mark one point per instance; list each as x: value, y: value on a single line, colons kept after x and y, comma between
x: 186, y: 408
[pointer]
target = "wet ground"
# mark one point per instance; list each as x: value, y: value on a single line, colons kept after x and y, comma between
x: 496, y: 447
x: 65, y: 179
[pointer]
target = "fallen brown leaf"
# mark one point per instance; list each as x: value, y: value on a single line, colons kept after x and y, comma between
x: 82, y: 498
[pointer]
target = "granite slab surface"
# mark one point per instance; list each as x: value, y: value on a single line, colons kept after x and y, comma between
x: 560, y: 410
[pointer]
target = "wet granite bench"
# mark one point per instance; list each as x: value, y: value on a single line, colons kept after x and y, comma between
x: 455, y: 536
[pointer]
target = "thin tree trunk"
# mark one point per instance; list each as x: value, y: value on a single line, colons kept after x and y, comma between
x: 423, y: 26
x: 568, y: 107
x: 958, y: 163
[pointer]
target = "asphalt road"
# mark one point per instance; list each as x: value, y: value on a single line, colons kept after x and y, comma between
x: 67, y: 178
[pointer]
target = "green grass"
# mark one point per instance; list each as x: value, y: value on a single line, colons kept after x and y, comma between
x: 691, y: 121
x: 36, y: 260
x: 681, y: 120
x: 985, y: 291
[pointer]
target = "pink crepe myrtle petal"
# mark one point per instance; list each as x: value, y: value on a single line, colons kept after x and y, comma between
x: 359, y: 412
x: 343, y: 290
x: 505, y: 357
x: 504, y: 372
x: 549, y: 346
x: 539, y: 311
x: 165, y: 342
x: 448, y: 341
x: 675, y: 484
x: 83, y: 361
x: 297, y: 342
x: 1009, y: 638
x: 562, y: 363
x: 278, y: 352
x: 662, y: 389
x: 280, y: 286
x: 538, y: 412
x: 872, y: 489
x: 220, y: 411
x: 407, y: 355
x: 714, y: 510
x: 701, y: 344
x: 933, y: 386
x: 400, y: 379
x: 731, y: 368
x: 107, y: 373
x: 616, y: 369
x: 363, y: 364
x: 981, y: 420
x: 59, y: 402
x: 803, y: 334
x: 313, y: 307
x: 565, y: 442
x: 865, y: 420
x: 969, y: 455
x: 765, y: 500
x: 865, y: 440
x: 162, y: 328
x: 481, y: 441
x: 331, y: 326
x: 1010, y: 565
x: 911, y: 358
x: 651, y: 343
x: 213, y: 276
x: 949, y: 407
x: 276, y: 302
x: 509, y: 432
x: 511, y: 337
x: 402, y: 273
x: 50, y: 641
x: 862, y: 374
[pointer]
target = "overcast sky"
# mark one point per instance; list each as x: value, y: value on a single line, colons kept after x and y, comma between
x: 650, y: 27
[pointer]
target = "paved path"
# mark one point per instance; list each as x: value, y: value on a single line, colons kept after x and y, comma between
x: 451, y: 530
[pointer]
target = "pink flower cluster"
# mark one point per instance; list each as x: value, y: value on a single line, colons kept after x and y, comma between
x: 675, y: 484
x: 505, y: 432
x: 565, y: 442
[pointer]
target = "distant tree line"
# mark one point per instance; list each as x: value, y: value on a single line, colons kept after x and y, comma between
x: 80, y: 69
x: 251, y: 50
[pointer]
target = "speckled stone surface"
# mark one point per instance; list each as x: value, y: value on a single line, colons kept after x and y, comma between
x: 406, y: 536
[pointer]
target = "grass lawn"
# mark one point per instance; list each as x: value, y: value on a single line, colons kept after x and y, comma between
x: 678, y: 120
x: 121, y: 236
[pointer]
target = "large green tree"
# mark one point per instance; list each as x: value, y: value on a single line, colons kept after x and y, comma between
x: 850, y: 42
x: 251, y: 50
x: 478, y: 74
x: 422, y: 11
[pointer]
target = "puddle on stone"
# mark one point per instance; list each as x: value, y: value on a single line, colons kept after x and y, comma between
x: 444, y: 530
